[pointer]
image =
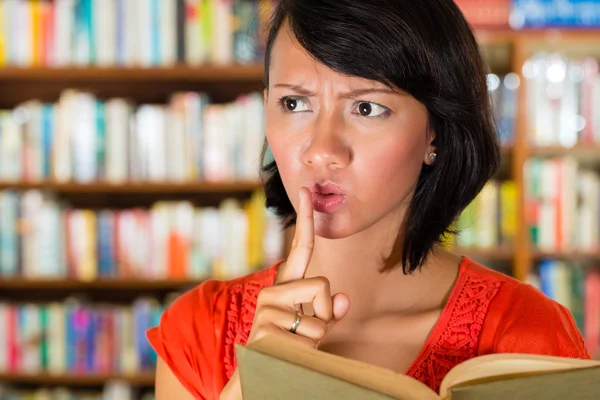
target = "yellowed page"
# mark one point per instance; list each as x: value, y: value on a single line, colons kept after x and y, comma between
x: 494, y: 365
x: 359, y: 373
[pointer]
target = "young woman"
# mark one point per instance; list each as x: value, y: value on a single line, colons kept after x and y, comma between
x: 378, y: 118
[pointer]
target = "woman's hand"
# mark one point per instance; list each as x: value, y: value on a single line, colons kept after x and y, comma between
x: 276, y: 306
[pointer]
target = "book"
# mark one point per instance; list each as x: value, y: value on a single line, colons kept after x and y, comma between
x: 275, y: 368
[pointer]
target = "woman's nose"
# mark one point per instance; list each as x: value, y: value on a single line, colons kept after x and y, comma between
x: 328, y: 147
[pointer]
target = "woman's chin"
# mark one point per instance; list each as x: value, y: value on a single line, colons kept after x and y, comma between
x: 333, y: 228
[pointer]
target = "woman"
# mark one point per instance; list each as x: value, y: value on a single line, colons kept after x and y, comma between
x: 378, y: 119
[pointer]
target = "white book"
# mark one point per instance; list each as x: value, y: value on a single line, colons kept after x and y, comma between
x: 61, y: 151
x: 193, y: 103
x: 222, y: 47
x: 486, y: 223
x: 201, y: 263
x: 11, y: 147
x: 104, y: 14
x: 9, y: 216
x: 168, y: 32
x: 548, y: 211
x: 538, y: 103
x: 235, y: 234
x: 84, y: 138
x: 49, y: 250
x: 196, y: 48
x: 176, y: 144
x: 151, y: 122
x: 213, y: 237
x: 64, y: 28
x: 253, y: 135
x: 145, y: 28
x: 22, y: 29
x: 273, y: 242
x: 159, y: 231
x: 235, y: 139
x: 215, y: 152
x: 132, y: 31
x: 562, y: 281
x: 588, y: 227
x: 567, y: 194
x: 569, y: 128
x: 10, y: 32
x: 118, y: 116
x: 31, y: 205
x: 115, y: 390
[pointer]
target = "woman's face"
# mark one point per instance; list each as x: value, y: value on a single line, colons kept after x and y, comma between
x: 355, y: 143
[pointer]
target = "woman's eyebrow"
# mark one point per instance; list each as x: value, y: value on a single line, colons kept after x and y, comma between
x: 361, y: 92
x: 350, y: 95
x: 297, y: 89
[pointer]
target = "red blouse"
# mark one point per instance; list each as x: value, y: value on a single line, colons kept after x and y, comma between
x: 487, y: 312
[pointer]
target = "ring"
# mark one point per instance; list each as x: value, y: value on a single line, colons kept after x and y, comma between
x: 296, y: 322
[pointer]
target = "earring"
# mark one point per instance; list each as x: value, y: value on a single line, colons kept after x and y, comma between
x: 432, y: 156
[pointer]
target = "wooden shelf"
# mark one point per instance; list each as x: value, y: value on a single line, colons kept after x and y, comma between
x: 46, y: 379
x: 99, y: 284
x: 167, y: 187
x: 545, y: 35
x: 579, y: 151
x: 487, y: 254
x: 231, y: 73
x: 569, y: 256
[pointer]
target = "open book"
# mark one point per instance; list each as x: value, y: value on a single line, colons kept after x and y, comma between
x: 275, y: 368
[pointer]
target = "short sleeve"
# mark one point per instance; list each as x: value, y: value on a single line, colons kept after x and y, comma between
x: 535, y: 324
x: 185, y: 338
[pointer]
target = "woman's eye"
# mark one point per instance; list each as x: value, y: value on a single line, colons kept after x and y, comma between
x: 293, y: 104
x: 368, y: 109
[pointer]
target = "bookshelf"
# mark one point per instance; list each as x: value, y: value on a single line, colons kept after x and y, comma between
x: 136, y: 187
x: 101, y: 284
x: 141, y: 380
x: 506, y: 50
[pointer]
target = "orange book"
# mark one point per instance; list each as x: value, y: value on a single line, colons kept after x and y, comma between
x: 177, y: 255
x: 36, y: 32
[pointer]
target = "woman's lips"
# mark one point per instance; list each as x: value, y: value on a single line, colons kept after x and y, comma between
x: 327, y: 203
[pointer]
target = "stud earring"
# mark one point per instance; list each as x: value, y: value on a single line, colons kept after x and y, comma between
x: 432, y: 156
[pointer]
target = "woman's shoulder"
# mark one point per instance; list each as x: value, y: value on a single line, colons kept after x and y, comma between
x: 213, y: 292
x: 520, y: 317
x: 192, y: 330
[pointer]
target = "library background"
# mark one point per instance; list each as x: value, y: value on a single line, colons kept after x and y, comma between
x: 104, y: 218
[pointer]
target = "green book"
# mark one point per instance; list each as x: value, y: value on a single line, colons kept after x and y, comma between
x: 275, y: 368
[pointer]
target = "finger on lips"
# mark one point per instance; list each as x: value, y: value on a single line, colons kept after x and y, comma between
x: 303, y: 242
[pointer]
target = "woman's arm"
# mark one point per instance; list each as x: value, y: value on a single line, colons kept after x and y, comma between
x: 167, y: 386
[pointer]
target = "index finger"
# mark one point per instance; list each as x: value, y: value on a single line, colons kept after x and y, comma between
x: 303, y: 242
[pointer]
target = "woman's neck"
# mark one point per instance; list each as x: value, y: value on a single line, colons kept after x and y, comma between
x: 353, y: 266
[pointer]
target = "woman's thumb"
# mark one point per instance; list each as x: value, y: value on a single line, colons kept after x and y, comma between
x: 340, y: 305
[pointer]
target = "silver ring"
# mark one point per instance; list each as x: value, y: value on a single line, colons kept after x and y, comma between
x: 296, y: 322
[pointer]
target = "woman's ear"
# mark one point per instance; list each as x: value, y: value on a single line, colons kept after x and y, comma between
x: 431, y: 153
x: 265, y: 97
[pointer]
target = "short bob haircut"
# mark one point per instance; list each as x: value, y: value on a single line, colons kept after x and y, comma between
x: 426, y: 49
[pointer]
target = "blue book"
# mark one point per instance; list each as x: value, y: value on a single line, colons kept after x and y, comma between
x: 555, y: 13
x: 547, y: 271
x: 48, y: 115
